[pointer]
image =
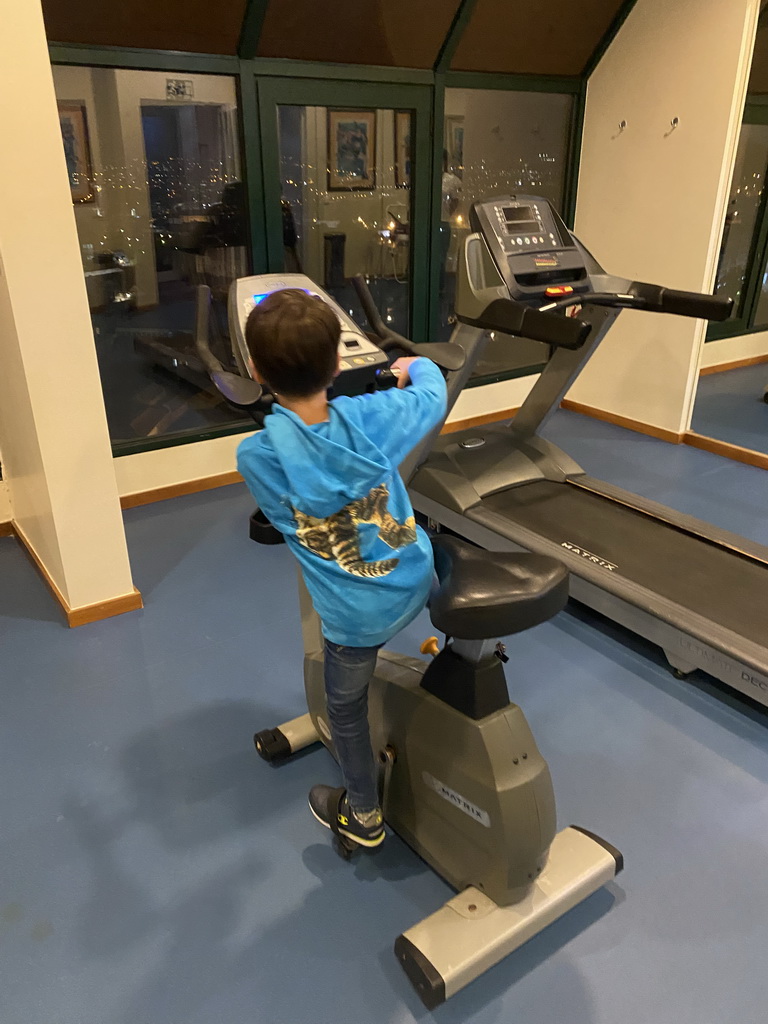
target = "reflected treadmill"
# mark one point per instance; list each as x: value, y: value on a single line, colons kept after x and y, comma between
x: 698, y: 592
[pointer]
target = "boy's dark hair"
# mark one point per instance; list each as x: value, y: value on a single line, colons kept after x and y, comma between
x: 293, y: 339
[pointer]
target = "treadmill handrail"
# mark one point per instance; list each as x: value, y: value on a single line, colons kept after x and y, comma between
x: 445, y: 355
x: 239, y: 391
x: 510, y: 317
x: 654, y: 299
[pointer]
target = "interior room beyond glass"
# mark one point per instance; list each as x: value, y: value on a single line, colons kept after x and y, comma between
x: 156, y: 178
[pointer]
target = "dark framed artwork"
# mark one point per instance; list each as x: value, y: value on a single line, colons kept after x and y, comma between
x: 402, y: 149
x: 351, y: 150
x: 77, y: 150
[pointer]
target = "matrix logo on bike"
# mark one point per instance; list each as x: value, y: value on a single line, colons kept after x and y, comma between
x: 583, y: 553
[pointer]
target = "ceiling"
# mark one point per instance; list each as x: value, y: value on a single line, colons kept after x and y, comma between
x: 558, y: 37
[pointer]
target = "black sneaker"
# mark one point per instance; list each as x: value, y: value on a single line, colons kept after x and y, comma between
x: 331, y: 808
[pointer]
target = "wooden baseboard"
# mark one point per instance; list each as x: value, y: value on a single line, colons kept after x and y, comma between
x: 478, y: 421
x: 104, y: 609
x: 730, y: 451
x: 86, y: 613
x: 6, y: 529
x: 735, y: 364
x: 624, y: 421
x: 207, y: 483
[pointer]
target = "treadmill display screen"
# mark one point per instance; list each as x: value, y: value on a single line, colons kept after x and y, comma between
x: 521, y: 220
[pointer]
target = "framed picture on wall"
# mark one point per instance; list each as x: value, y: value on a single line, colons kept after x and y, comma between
x: 351, y: 150
x: 454, y: 144
x: 402, y: 149
x: 77, y: 150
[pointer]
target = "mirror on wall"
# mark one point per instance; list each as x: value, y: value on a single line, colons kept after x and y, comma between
x: 730, y: 413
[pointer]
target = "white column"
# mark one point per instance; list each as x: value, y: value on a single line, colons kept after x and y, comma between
x: 57, y: 461
x: 652, y: 199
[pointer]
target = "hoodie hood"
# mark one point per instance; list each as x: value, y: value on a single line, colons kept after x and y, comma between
x: 327, y: 465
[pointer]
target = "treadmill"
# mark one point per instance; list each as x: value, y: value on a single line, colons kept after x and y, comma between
x: 698, y: 592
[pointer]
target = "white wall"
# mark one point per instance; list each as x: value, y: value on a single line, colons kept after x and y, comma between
x: 651, y: 203
x: 148, y: 471
x: 6, y: 511
x: 57, y: 461
x: 728, y: 350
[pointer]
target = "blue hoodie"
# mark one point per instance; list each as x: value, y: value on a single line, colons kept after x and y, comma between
x: 334, y: 491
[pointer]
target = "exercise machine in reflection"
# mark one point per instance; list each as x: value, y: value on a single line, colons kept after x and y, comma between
x: 462, y: 780
x: 215, y: 239
x: 698, y: 592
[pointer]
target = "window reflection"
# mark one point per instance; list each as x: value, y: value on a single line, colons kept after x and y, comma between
x: 346, y: 203
x: 155, y: 176
x: 495, y: 143
x: 742, y: 214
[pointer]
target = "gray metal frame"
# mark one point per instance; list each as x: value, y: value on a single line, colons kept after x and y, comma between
x: 474, y: 799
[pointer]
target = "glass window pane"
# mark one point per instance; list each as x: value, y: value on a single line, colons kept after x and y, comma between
x: 530, y: 37
x: 761, y: 313
x: 393, y: 33
x: 347, y: 203
x: 497, y: 142
x: 741, y: 217
x: 159, y: 204
x: 758, y: 77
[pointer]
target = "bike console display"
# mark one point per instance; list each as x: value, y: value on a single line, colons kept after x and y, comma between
x: 360, y: 357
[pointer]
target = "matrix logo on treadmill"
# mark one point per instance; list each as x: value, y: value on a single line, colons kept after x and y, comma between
x: 596, y: 559
x: 546, y: 261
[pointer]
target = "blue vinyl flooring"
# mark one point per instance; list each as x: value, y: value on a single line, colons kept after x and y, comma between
x: 730, y: 407
x: 154, y: 871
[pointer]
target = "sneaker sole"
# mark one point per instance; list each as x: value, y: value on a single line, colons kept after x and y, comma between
x: 368, y: 843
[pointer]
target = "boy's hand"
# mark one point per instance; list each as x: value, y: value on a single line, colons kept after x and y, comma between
x: 402, y: 367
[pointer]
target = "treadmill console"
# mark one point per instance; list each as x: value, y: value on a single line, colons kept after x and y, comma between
x: 532, y: 248
x: 360, y: 357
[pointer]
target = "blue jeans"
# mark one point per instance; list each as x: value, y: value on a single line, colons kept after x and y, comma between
x: 348, y: 671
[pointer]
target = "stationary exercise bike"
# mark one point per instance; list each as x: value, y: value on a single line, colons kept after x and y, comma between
x: 462, y: 780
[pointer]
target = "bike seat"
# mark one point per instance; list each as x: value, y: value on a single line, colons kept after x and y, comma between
x: 487, y: 594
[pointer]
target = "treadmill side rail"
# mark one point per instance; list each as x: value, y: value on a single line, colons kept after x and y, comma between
x: 470, y: 933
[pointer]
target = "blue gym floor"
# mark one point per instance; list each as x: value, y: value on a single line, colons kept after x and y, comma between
x: 154, y: 871
x: 730, y: 407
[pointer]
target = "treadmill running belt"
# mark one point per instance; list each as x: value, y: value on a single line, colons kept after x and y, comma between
x: 725, y: 587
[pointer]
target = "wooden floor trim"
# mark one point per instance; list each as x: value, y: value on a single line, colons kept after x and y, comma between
x: 104, y: 609
x: 479, y: 421
x: 86, y: 613
x: 624, y: 421
x: 730, y: 451
x: 734, y: 364
x: 207, y: 483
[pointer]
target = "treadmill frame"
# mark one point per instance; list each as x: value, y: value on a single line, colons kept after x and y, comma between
x: 448, y: 483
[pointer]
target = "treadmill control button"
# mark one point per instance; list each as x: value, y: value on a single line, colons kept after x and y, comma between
x: 472, y: 442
